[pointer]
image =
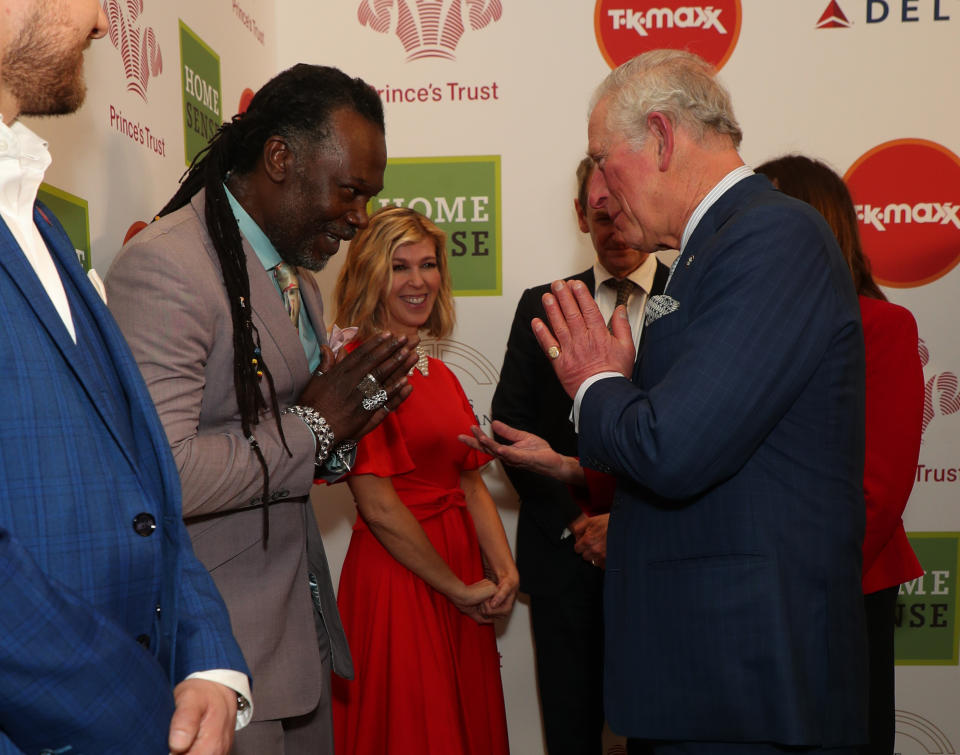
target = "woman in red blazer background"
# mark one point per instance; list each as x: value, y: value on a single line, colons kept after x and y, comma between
x: 894, y: 413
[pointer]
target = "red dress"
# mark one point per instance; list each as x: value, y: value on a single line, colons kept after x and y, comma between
x: 427, y: 676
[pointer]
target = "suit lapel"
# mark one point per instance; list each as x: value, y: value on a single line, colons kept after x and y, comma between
x: 660, y: 278
x: 110, y: 352
x: 14, y: 261
x: 269, y: 315
x: 310, y: 296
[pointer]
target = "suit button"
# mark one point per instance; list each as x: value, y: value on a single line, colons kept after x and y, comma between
x: 144, y: 640
x: 144, y: 524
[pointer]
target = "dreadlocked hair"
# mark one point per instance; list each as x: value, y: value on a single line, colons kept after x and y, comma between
x: 296, y: 105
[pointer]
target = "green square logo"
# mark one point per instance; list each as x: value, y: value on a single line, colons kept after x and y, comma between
x: 462, y: 196
x: 74, y: 216
x: 200, y: 81
x: 926, y: 615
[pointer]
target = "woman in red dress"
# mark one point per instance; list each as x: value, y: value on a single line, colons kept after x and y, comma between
x: 428, y: 567
x: 894, y: 416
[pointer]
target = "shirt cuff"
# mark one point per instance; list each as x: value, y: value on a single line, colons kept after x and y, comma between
x: 575, y: 412
x: 338, y: 463
x: 235, y: 680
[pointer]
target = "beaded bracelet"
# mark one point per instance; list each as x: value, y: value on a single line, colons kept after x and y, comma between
x: 322, y: 433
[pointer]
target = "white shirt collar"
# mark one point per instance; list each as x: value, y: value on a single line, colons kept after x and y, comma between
x: 733, y: 177
x: 24, y: 158
x: 642, y: 276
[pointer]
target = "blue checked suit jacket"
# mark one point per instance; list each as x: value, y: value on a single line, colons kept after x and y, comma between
x: 733, y: 604
x: 97, y: 622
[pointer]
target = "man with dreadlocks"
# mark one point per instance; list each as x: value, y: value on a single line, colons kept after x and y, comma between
x: 226, y: 322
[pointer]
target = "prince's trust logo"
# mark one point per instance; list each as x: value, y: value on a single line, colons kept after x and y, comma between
x: 476, y: 373
x: 428, y: 28
x: 138, y: 46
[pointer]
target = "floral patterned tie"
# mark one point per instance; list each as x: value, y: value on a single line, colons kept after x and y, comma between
x: 286, y: 276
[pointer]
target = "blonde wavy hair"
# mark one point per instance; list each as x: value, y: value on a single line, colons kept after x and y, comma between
x: 367, y: 274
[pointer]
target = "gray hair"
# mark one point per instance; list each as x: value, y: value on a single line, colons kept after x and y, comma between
x: 679, y: 84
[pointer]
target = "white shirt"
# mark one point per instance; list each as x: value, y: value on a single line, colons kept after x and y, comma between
x: 725, y: 184
x: 24, y: 158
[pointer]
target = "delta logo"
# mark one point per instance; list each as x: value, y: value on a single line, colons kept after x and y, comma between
x: 428, y: 28
x: 626, y: 29
x: 138, y: 46
x: 879, y: 11
x: 907, y: 196
x: 833, y: 18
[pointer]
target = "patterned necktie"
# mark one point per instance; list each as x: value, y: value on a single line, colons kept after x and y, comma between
x: 623, y: 288
x: 286, y: 277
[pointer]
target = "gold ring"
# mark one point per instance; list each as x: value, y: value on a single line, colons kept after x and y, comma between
x: 553, y: 352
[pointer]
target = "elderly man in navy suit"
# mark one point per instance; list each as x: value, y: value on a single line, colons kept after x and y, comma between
x: 113, y: 638
x: 732, y: 610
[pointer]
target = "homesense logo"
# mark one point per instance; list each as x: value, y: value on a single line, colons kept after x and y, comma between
x: 462, y: 196
x: 200, y: 68
x: 908, y: 203
x: 626, y: 29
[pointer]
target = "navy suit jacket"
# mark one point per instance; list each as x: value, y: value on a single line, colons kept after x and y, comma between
x: 733, y: 606
x: 102, y: 614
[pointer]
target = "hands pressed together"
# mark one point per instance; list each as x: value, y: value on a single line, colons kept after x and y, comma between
x: 577, y: 340
x: 336, y: 393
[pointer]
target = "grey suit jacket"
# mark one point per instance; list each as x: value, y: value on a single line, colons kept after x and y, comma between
x: 166, y: 290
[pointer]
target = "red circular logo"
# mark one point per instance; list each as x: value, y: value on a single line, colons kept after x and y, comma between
x: 245, y: 96
x: 134, y: 229
x: 908, y: 210
x: 626, y: 28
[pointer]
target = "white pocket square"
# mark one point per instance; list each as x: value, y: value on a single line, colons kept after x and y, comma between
x: 658, y: 306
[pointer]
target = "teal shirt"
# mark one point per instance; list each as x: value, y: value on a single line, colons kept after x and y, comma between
x: 270, y: 258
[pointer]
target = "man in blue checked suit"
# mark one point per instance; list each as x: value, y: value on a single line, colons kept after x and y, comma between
x: 113, y: 638
x: 732, y: 599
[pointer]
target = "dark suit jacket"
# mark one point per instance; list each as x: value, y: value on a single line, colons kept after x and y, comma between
x: 732, y: 593
x: 530, y: 397
x: 102, y: 615
x: 167, y: 292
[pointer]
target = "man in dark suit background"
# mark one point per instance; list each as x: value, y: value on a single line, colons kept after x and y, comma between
x: 565, y: 588
x: 113, y: 638
x: 733, y: 617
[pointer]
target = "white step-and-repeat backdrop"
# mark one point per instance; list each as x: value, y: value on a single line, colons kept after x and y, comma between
x: 486, y: 106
